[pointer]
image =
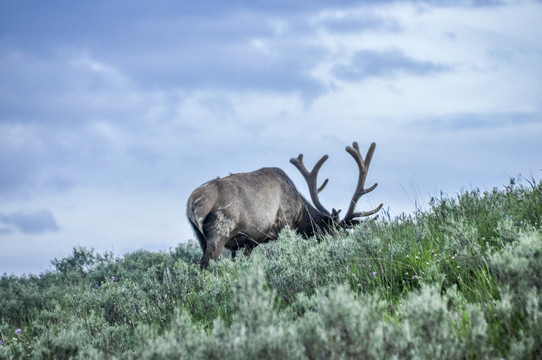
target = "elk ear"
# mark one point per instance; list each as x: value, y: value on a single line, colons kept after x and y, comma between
x: 335, y: 215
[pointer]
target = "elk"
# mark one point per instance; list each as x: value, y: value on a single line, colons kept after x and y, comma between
x: 246, y: 209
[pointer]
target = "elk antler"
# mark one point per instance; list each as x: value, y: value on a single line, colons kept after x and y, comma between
x: 310, y: 178
x: 363, y: 165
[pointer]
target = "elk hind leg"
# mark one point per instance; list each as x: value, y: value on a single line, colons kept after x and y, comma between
x: 218, y: 229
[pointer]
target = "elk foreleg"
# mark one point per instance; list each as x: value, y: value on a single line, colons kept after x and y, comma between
x: 249, y: 246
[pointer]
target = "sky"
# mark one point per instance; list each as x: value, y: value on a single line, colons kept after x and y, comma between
x: 112, y: 113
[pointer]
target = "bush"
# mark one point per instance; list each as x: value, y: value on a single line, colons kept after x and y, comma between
x: 460, y: 281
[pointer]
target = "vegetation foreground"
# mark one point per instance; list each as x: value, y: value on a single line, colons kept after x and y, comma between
x: 462, y: 280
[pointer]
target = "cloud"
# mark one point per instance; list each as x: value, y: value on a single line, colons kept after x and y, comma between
x: 369, y: 63
x: 63, y: 87
x: 471, y: 122
x: 34, y: 222
x: 244, y: 46
x: 356, y: 21
x: 16, y: 171
x: 49, y: 157
x: 109, y: 118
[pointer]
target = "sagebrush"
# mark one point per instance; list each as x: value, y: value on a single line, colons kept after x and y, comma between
x: 461, y: 280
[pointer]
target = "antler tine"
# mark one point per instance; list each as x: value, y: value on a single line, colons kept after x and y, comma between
x: 323, y: 186
x: 363, y: 166
x: 311, y: 179
x: 367, y: 213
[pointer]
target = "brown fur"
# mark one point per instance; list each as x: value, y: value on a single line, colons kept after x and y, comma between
x: 246, y: 209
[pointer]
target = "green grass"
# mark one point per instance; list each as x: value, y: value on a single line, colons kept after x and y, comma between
x: 462, y: 280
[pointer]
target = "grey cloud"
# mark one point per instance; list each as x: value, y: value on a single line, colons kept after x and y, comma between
x: 58, y: 87
x: 175, y: 45
x: 359, y: 22
x: 226, y: 58
x: 34, y: 222
x: 39, y: 24
x: 368, y: 63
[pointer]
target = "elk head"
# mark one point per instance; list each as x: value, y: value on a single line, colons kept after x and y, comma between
x: 352, y: 217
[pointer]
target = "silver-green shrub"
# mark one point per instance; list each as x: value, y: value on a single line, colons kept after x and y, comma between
x: 460, y: 281
x: 519, y: 268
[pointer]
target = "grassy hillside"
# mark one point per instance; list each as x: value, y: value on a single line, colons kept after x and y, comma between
x: 462, y: 280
